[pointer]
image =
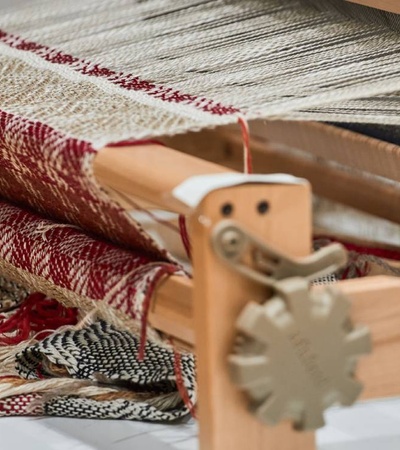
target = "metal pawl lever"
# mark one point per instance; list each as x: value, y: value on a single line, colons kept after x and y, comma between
x: 261, y: 262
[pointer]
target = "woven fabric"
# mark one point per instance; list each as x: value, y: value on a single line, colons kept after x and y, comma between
x: 103, y: 354
x: 70, y: 265
x: 42, y: 168
x: 147, y: 68
x: 82, y: 74
x: 19, y: 405
x: 79, y: 75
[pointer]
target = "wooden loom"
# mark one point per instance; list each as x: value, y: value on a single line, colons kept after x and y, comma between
x: 203, y: 312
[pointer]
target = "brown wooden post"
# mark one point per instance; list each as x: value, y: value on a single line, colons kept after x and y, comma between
x: 219, y: 296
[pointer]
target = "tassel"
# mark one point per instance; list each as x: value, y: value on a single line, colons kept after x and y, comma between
x: 39, y: 316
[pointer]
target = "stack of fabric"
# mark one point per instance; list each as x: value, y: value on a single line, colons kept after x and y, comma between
x: 84, y: 355
x: 77, y: 272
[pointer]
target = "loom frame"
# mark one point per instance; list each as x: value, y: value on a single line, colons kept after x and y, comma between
x: 186, y: 309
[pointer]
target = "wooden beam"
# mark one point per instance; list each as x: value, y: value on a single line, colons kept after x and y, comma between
x: 375, y: 302
x: 171, y: 310
x: 149, y: 172
x: 386, y: 5
x: 327, y: 142
x: 219, y: 295
x: 309, y: 150
x: 330, y: 143
x: 126, y: 169
x: 335, y: 182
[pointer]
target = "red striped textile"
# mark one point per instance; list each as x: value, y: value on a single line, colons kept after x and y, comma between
x: 74, y: 261
x: 51, y: 173
x: 125, y: 81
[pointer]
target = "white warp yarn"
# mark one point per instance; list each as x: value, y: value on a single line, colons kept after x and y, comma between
x: 328, y: 60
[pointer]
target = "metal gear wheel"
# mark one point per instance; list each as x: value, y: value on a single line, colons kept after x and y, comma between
x: 297, y: 354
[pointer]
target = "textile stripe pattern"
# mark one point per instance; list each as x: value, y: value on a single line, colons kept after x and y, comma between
x: 91, y: 369
x: 79, y: 75
x: 80, y: 270
x: 173, y: 66
x: 110, y: 381
x: 18, y: 405
x: 43, y: 169
x: 68, y: 240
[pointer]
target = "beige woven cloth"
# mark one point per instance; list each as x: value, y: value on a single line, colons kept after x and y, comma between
x: 109, y: 70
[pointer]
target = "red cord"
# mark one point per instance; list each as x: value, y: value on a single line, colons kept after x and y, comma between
x: 248, y: 160
x: 180, y: 383
x: 373, y: 251
x: 185, y: 236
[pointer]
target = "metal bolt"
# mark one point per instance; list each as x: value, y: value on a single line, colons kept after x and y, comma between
x: 231, y: 242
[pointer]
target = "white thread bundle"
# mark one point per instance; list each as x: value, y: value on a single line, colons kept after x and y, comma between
x: 268, y: 58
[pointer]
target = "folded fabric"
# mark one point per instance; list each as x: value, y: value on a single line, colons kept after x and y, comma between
x: 109, y: 356
x: 77, y: 269
x: 95, y: 372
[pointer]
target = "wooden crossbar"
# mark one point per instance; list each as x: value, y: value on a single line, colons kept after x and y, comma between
x: 375, y: 302
x: 386, y: 5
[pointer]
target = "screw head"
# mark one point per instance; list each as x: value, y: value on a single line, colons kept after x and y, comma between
x: 231, y: 242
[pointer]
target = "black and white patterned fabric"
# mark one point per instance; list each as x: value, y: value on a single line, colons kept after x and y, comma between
x: 108, y: 356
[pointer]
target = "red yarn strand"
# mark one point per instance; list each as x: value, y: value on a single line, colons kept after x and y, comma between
x: 180, y: 383
x: 247, y: 156
x: 185, y: 236
x: 38, y: 315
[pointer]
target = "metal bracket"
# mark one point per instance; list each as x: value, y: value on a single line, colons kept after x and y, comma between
x: 262, y: 263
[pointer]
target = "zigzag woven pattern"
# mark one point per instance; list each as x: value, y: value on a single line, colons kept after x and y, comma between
x: 52, y: 173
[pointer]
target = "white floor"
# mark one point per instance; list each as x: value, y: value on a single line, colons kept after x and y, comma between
x: 367, y: 426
